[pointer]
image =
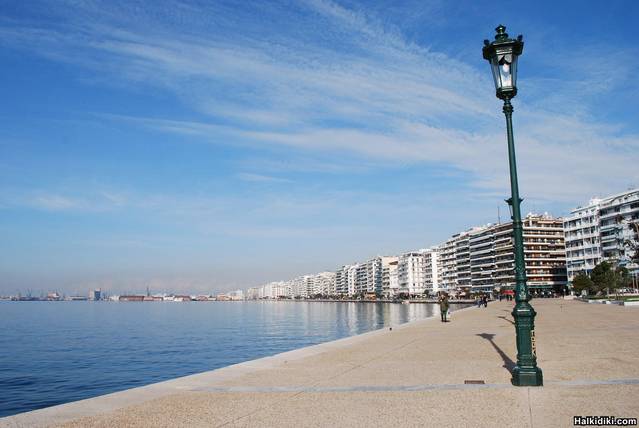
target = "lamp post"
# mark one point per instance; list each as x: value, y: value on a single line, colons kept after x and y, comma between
x: 502, y: 54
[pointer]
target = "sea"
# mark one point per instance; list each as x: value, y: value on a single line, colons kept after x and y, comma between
x: 56, y: 352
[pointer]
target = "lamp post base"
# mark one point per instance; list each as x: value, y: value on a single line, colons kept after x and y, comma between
x: 527, y: 376
x: 526, y: 372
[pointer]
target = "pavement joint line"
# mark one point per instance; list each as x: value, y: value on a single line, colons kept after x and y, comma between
x: 401, y: 388
x: 530, y: 415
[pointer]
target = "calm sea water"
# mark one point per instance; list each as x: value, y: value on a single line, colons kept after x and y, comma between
x: 56, y: 352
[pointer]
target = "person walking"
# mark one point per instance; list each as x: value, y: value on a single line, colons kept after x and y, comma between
x: 443, y: 307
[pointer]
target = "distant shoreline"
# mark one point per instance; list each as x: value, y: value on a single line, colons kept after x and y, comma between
x: 412, y: 301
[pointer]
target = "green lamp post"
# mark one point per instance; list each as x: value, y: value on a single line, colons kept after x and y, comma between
x: 502, y: 54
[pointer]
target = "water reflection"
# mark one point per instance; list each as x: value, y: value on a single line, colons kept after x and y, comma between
x: 55, y: 352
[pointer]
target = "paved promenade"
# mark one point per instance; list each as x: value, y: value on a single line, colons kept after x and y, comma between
x: 411, y: 376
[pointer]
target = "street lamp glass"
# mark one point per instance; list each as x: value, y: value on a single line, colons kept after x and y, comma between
x: 502, y: 54
x: 504, y: 67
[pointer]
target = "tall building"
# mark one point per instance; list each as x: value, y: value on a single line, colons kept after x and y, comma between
x: 482, y: 258
x: 410, y: 273
x: 462, y: 261
x: 431, y: 271
x: 583, y: 246
x: 481, y: 245
x: 323, y: 284
x: 601, y: 231
x: 342, y: 280
x: 417, y: 272
x: 374, y: 277
x: 619, y: 224
x: 390, y: 283
x: 301, y: 287
x: 447, y: 263
x: 253, y: 293
x: 544, y: 254
x: 361, y: 279
x: 351, y: 279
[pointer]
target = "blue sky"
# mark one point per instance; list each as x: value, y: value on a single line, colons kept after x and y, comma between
x: 209, y: 145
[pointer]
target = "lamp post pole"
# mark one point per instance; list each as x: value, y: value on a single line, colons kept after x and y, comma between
x: 526, y: 373
x: 502, y: 54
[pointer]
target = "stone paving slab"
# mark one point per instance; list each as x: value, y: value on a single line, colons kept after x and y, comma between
x: 411, y: 376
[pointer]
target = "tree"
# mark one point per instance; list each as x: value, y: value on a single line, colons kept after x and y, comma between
x: 605, y: 277
x: 602, y: 277
x: 633, y: 243
x: 623, y: 277
x: 582, y: 282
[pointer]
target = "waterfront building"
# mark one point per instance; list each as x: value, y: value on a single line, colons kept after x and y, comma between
x: 368, y: 279
x: 583, y: 246
x: 411, y: 273
x: 481, y: 248
x: 374, y: 277
x: 299, y: 287
x: 431, y: 272
x: 97, y: 294
x: 323, y: 284
x: 390, y: 283
x: 236, y: 295
x: 253, y: 293
x: 361, y: 279
x: 601, y: 231
x: 266, y: 291
x: 351, y: 280
x: 544, y: 254
x: 481, y: 259
x: 342, y: 280
x: 462, y: 262
x: 281, y: 290
x: 447, y: 264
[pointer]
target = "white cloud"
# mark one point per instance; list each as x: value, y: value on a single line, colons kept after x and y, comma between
x: 390, y: 101
x: 259, y: 178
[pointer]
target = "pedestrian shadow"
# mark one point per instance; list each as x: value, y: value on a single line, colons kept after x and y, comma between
x: 508, y: 363
x: 507, y: 319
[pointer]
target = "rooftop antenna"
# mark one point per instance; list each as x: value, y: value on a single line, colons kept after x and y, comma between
x: 498, y: 215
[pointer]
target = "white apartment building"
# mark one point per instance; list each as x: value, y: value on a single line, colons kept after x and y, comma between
x: 462, y: 261
x: 341, y: 280
x: 323, y: 283
x: 600, y: 231
x: 236, y: 295
x: 417, y: 272
x: 481, y: 244
x: 581, y: 232
x: 618, y: 225
x: 253, y: 293
x: 281, y: 289
x: 351, y: 280
x: 374, y: 277
x: 431, y: 271
x: 390, y: 283
x: 361, y: 279
x: 447, y: 264
x: 410, y: 273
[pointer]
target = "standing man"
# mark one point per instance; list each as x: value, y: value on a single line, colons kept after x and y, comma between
x: 443, y: 306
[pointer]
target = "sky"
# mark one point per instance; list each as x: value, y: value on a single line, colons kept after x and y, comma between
x: 205, y: 146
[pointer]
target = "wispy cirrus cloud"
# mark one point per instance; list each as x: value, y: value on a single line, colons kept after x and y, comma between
x: 260, y: 178
x: 389, y: 99
x: 61, y: 201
